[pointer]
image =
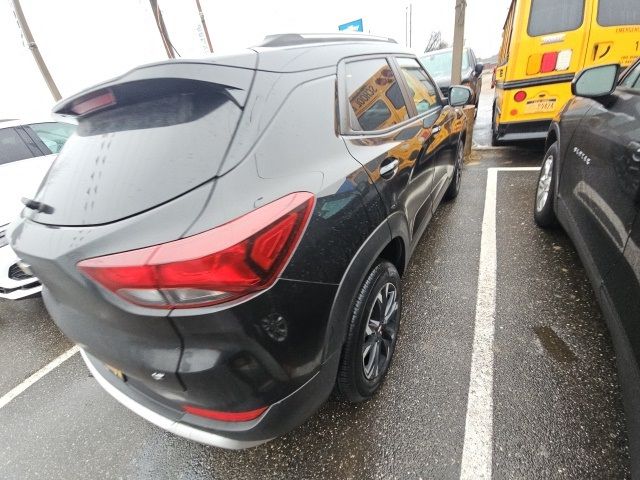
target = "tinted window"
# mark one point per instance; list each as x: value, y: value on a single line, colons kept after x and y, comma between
x: 618, y: 12
x: 375, y: 97
x: 422, y: 90
x: 53, y: 134
x: 136, y: 156
x: 633, y: 79
x: 12, y: 147
x: 554, y: 16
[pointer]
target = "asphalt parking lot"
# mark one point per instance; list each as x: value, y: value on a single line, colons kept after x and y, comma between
x: 544, y: 385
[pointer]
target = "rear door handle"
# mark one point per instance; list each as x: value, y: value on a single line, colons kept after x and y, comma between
x: 389, y: 168
x: 634, y: 151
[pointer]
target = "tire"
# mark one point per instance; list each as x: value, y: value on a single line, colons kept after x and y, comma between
x: 361, y: 370
x: 543, y: 212
x: 494, y: 128
x: 454, y: 186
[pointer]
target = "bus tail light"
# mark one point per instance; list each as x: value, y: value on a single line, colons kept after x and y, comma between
x: 549, y: 62
x: 520, y: 96
x: 564, y: 60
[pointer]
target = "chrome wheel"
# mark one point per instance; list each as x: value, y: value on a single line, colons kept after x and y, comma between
x: 544, y: 184
x: 380, y: 332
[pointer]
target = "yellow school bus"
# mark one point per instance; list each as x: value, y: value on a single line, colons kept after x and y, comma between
x: 544, y: 44
x: 378, y: 103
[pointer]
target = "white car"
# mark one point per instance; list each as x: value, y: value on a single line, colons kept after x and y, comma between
x: 27, y: 150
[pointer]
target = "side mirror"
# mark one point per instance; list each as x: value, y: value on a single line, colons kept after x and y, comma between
x: 596, y: 82
x: 479, y: 69
x: 460, y: 96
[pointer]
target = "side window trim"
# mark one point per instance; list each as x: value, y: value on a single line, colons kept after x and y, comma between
x: 635, y: 88
x: 404, y: 87
x: 343, y: 103
x: 36, y: 139
x: 33, y: 146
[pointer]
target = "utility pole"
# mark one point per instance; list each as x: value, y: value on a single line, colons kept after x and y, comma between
x: 458, y: 42
x: 22, y: 22
x: 204, y: 25
x: 408, y: 20
x: 410, y: 24
x: 157, y: 15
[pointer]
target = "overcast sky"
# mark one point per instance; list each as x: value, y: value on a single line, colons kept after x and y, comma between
x: 87, y: 41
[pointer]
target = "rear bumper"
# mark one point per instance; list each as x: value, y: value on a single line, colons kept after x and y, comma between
x: 13, y: 283
x: 278, y: 419
x: 518, y: 131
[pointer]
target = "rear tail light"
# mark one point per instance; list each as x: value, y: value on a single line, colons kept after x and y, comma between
x: 564, y: 60
x: 93, y: 102
x: 520, y: 96
x: 533, y: 65
x: 224, y: 416
x: 549, y: 62
x: 241, y: 257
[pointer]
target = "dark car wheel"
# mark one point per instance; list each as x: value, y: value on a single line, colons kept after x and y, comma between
x: 543, y: 212
x: 454, y: 186
x: 372, y: 334
x: 494, y: 128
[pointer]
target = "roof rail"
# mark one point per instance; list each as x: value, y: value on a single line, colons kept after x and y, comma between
x: 291, y: 39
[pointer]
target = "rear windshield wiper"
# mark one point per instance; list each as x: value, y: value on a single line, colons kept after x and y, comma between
x: 37, y: 206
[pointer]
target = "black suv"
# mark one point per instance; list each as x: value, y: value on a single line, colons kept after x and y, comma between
x: 590, y: 183
x: 225, y: 238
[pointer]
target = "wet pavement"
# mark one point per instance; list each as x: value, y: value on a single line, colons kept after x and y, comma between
x: 557, y: 411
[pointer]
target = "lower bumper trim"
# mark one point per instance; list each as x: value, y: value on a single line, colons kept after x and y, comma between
x: 177, y: 428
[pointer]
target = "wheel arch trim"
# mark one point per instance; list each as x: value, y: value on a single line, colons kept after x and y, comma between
x: 394, y: 226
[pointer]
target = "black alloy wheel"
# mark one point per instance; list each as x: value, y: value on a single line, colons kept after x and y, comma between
x: 372, y: 334
x: 454, y: 186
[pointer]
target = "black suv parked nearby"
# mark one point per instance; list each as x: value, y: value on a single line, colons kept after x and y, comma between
x: 590, y: 182
x: 225, y: 238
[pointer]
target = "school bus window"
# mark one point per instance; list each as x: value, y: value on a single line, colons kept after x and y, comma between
x: 375, y: 116
x: 375, y: 98
x: 554, y: 16
x: 395, y: 96
x: 618, y: 12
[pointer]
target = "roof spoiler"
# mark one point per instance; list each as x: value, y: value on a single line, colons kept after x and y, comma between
x: 123, y: 89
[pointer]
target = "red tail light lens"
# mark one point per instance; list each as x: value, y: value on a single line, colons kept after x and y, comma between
x: 233, y: 260
x: 549, y: 61
x: 520, y: 96
x: 93, y: 102
x: 225, y: 416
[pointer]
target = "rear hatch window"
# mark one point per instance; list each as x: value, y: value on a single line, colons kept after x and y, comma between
x: 162, y: 138
x: 553, y: 16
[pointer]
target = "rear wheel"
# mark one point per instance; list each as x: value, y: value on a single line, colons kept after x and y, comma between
x: 372, y: 334
x: 454, y: 186
x: 494, y: 128
x: 543, y: 212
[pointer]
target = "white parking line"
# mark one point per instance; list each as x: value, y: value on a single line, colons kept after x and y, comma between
x: 477, y: 452
x: 14, y: 392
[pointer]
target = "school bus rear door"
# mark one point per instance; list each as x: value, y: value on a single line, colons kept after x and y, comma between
x: 615, y: 33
